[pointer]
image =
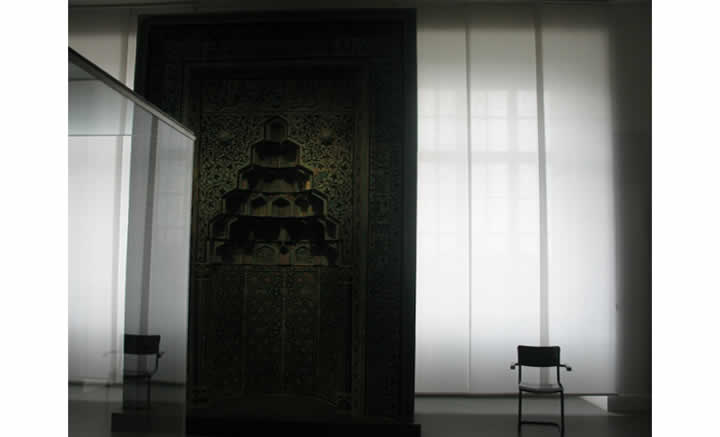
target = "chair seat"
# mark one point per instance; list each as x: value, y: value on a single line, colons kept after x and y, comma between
x: 540, y: 388
x: 137, y: 374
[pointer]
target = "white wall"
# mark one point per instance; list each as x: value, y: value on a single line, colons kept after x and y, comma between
x: 442, y: 236
x: 107, y: 38
x: 631, y: 46
x: 94, y: 297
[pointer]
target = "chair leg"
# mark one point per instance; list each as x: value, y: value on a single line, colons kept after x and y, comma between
x: 148, y: 393
x: 519, y: 424
x: 562, y: 413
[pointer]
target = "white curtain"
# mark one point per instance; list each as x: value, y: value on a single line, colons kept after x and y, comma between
x: 515, y: 195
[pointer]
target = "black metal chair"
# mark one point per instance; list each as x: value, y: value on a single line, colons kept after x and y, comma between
x: 143, y: 346
x: 540, y: 356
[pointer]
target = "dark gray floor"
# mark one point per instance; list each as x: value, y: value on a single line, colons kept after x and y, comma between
x: 497, y: 417
x: 90, y: 410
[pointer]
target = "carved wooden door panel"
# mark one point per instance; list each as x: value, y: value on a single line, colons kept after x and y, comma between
x: 279, y: 214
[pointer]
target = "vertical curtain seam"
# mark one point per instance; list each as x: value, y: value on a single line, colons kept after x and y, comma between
x: 468, y: 124
x: 149, y: 220
x: 542, y: 186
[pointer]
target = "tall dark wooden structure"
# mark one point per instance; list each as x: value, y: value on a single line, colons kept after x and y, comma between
x: 302, y: 299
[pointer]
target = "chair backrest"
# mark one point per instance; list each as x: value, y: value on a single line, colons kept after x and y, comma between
x: 142, y: 344
x: 539, y: 356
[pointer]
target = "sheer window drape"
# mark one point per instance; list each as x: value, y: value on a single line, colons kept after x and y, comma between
x: 509, y: 127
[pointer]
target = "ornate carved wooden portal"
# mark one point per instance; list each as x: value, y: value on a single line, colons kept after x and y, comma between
x: 275, y: 216
x: 303, y: 259
x: 279, y: 196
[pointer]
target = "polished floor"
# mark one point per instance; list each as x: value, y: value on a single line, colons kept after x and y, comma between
x: 90, y: 409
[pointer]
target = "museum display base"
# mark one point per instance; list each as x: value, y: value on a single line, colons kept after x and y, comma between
x: 159, y: 418
x: 226, y: 423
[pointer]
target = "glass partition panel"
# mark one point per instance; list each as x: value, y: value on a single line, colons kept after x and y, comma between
x: 157, y: 258
x: 130, y: 182
x: 94, y: 279
x: 97, y: 110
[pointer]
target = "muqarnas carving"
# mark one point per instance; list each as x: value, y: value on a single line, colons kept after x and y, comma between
x: 274, y: 216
